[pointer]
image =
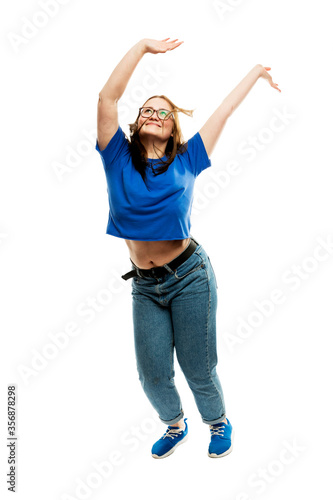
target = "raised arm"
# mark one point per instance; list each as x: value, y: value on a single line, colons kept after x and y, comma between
x: 211, y: 130
x: 107, y: 112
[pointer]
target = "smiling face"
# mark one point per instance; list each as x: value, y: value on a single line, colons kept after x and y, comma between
x: 154, y: 126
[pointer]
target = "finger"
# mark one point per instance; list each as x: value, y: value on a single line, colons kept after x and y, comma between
x: 177, y: 45
x: 165, y: 39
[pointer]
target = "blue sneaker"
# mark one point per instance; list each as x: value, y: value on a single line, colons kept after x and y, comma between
x: 221, y: 439
x: 169, y: 441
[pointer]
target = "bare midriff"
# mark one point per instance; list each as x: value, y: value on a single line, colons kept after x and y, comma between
x: 148, y: 254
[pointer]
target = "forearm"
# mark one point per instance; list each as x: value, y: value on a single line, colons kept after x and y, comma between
x: 236, y: 96
x: 119, y: 78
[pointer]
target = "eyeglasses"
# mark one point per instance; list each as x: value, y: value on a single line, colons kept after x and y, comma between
x: 162, y: 114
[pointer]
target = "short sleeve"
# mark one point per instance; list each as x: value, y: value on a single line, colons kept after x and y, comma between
x: 197, y: 155
x: 117, y: 147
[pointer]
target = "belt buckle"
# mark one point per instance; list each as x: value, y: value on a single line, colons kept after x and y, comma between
x: 158, y: 272
x: 154, y: 273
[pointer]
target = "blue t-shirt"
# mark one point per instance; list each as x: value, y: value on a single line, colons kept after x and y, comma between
x: 162, y: 212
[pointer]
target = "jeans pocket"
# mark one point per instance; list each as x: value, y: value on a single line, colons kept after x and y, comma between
x: 192, y: 264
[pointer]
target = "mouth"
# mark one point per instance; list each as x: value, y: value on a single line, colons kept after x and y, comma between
x: 156, y: 124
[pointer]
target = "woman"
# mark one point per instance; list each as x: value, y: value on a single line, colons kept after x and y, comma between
x: 150, y: 182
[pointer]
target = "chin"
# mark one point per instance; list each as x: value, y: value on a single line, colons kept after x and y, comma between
x: 151, y: 131
x: 152, y: 127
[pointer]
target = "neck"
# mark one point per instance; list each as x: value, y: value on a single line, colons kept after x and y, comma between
x: 155, y: 148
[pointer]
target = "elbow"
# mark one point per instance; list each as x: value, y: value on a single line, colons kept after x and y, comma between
x: 229, y: 110
x: 102, y: 97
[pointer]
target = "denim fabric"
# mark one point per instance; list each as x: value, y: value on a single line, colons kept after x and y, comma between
x: 177, y: 312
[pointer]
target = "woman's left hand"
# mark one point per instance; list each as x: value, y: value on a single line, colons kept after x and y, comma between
x: 264, y: 74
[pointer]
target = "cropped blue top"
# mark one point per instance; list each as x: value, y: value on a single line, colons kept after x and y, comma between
x: 162, y: 212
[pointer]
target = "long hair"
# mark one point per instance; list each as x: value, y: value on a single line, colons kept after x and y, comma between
x: 175, y: 144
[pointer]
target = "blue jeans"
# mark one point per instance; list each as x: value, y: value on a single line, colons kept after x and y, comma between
x: 178, y: 312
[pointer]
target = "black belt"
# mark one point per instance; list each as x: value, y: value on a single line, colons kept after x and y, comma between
x: 157, y: 272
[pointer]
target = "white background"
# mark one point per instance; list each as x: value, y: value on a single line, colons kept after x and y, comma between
x: 86, y: 403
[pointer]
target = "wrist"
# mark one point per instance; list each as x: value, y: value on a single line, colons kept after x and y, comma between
x: 141, y: 45
x: 259, y: 68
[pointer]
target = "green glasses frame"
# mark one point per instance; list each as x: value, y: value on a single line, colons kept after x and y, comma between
x: 159, y: 113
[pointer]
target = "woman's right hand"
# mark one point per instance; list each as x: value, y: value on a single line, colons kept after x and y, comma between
x: 264, y: 74
x: 158, y: 46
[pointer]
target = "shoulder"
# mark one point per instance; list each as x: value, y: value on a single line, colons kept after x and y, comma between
x: 194, y: 152
x: 116, y: 147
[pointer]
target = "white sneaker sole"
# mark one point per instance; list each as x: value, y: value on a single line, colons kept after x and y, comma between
x: 172, y: 449
x: 229, y: 450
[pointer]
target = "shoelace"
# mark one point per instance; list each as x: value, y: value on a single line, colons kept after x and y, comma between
x: 218, y: 431
x: 171, y: 431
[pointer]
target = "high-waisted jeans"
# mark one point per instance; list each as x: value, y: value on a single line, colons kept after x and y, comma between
x: 178, y: 312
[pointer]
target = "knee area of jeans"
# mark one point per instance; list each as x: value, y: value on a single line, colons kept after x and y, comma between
x: 154, y: 380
